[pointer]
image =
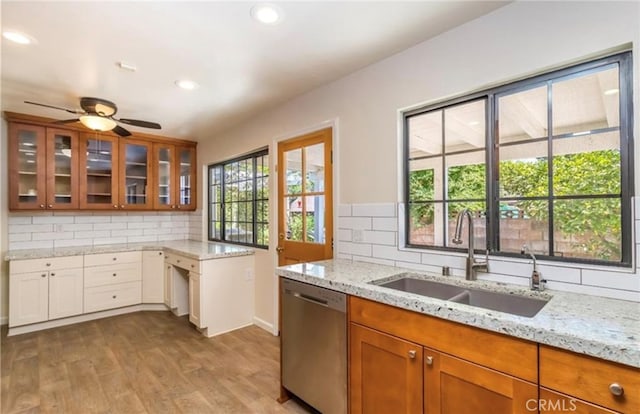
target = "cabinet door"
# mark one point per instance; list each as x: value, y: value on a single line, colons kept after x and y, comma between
x: 553, y: 402
x: 28, y: 298
x: 135, y: 175
x: 453, y: 385
x: 153, y: 280
x: 194, y: 299
x: 164, y: 197
x: 66, y: 289
x: 98, y: 172
x: 168, y: 284
x: 62, y: 169
x: 186, y: 178
x: 27, y: 167
x: 386, y: 373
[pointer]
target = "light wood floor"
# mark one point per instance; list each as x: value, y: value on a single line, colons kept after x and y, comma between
x: 144, y: 362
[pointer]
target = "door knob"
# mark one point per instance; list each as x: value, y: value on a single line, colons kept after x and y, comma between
x: 279, y: 249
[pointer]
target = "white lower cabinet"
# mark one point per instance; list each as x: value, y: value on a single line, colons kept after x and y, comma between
x: 195, y: 299
x: 152, y: 276
x: 51, y: 289
x: 112, y: 281
x: 112, y: 296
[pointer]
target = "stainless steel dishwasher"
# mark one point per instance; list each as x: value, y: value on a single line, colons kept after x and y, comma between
x: 314, y: 345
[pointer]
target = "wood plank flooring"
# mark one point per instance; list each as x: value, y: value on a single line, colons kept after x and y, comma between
x: 143, y: 362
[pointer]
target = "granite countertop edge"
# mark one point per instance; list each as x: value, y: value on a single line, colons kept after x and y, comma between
x: 566, y: 321
x: 193, y: 249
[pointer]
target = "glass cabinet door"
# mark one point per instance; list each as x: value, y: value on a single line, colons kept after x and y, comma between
x: 165, y: 183
x: 135, y: 174
x: 98, y: 183
x: 186, y: 177
x: 27, y: 181
x: 62, y: 174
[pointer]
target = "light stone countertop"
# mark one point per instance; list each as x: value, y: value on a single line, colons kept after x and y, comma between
x: 198, y: 250
x: 591, y: 325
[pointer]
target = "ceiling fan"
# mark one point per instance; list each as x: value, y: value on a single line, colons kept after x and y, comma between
x: 97, y: 114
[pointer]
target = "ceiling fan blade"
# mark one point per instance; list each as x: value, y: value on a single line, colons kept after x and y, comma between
x: 71, y: 111
x: 136, y: 122
x: 121, y: 131
x: 67, y: 121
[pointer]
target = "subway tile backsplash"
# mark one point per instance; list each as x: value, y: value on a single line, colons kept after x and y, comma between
x: 65, y: 229
x: 373, y: 233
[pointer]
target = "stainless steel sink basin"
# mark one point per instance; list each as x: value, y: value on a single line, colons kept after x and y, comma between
x: 423, y: 287
x: 501, y: 302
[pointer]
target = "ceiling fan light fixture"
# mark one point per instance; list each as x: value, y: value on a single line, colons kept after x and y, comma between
x: 97, y: 123
x: 266, y: 13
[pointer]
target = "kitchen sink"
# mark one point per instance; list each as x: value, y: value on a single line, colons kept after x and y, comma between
x: 501, y: 302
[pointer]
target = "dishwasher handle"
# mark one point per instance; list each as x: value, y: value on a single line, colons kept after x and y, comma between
x: 315, y: 301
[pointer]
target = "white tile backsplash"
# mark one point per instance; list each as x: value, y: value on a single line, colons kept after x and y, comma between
x: 370, y: 232
x: 64, y: 229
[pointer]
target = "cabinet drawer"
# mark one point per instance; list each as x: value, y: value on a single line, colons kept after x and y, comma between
x: 589, y: 379
x: 463, y: 341
x: 113, y: 274
x: 182, y: 262
x: 99, y: 298
x: 111, y: 258
x: 50, y: 263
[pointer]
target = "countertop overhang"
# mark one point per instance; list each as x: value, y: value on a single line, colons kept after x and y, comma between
x: 193, y: 249
x: 591, y: 325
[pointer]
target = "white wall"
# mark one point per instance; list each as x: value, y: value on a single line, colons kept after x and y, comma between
x: 515, y: 41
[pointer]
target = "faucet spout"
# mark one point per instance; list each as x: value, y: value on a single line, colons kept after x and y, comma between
x: 536, y: 282
x: 472, y: 265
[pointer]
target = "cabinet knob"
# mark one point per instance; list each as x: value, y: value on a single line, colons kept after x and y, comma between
x: 173, y: 206
x: 159, y: 253
x: 121, y: 205
x: 616, y: 389
x: 53, y: 274
x: 50, y: 206
x: 429, y: 360
x: 179, y: 206
x: 412, y: 354
x: 114, y: 275
x: 178, y: 260
x: 48, y: 264
x: 114, y: 296
x: 115, y: 258
x: 41, y: 205
x: 115, y: 206
x: 43, y: 275
x: 192, y: 266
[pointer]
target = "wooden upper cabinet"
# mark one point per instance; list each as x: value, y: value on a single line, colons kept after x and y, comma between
x: 27, y: 167
x: 174, y: 177
x: 385, y: 374
x: 136, y: 182
x: 43, y: 168
x: 453, y: 385
x: 99, y: 172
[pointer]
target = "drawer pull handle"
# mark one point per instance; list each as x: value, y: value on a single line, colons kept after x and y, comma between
x: 412, y: 354
x: 43, y: 275
x: 114, y: 296
x: 616, y: 389
x: 114, y: 275
x: 429, y: 360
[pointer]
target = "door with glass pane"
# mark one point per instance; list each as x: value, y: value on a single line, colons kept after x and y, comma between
x: 135, y: 173
x: 62, y: 169
x: 99, y: 173
x: 305, y: 205
x: 186, y: 178
x: 27, y: 160
x: 165, y: 197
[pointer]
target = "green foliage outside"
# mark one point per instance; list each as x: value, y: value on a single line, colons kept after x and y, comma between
x: 595, y: 223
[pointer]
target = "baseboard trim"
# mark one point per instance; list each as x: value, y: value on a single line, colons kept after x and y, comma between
x: 261, y: 323
x: 17, y: 330
x: 4, y: 320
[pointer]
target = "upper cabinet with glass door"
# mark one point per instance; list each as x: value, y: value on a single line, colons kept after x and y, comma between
x: 43, y: 165
x: 135, y: 175
x: 174, y: 177
x: 99, y: 180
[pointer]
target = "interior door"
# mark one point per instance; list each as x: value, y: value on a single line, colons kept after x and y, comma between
x: 305, y: 190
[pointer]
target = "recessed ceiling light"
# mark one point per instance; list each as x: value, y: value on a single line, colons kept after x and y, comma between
x: 186, y: 84
x: 611, y: 91
x: 17, y: 37
x: 266, y: 13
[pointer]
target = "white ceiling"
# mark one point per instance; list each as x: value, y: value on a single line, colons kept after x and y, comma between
x: 242, y: 66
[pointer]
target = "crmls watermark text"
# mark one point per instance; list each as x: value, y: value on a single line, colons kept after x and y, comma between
x: 551, y: 405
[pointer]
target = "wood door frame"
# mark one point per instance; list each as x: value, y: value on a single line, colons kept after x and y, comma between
x: 274, y: 203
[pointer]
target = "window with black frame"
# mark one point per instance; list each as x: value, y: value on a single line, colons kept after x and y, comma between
x: 545, y: 162
x: 239, y: 200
